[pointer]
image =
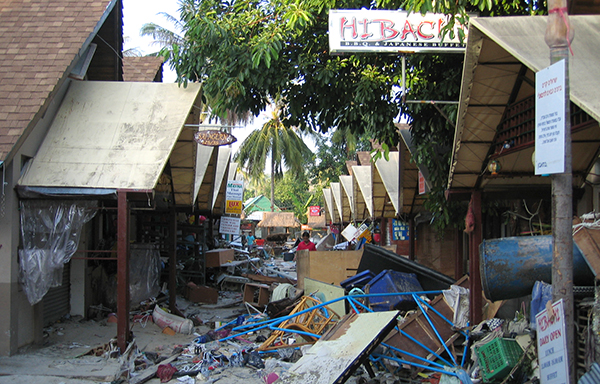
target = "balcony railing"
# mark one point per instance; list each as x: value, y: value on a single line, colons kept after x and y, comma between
x: 517, y: 130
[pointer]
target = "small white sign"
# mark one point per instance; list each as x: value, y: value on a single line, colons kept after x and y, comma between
x: 552, y: 345
x: 235, y: 190
x: 230, y: 225
x: 550, y: 119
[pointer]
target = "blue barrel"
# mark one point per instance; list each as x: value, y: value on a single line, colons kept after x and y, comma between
x: 510, y: 266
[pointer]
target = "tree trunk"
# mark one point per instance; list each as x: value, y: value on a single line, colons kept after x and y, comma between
x: 272, y: 189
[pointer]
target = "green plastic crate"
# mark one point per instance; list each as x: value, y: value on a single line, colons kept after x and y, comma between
x: 497, y: 358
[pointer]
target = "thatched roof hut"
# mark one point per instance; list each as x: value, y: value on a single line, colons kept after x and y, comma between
x: 278, y: 219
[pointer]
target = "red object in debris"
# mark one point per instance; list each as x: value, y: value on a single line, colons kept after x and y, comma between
x: 112, y: 318
x: 165, y: 372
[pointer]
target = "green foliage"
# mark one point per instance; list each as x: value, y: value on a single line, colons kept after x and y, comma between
x: 292, y: 193
x: 332, y: 154
x: 248, y: 53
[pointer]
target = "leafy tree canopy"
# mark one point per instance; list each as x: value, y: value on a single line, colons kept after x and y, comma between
x: 248, y: 53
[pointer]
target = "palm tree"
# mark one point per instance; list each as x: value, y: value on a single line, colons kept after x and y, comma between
x: 284, y: 146
x: 162, y: 36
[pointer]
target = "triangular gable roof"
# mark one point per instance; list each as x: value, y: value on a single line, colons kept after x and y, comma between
x: 363, y: 187
x: 501, y: 59
x: 127, y: 130
x: 40, y: 43
x: 142, y: 68
x: 259, y: 204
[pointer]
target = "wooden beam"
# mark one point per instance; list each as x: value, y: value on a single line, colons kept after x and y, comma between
x: 123, y: 336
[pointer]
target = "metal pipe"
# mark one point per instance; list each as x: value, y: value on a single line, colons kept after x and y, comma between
x: 442, y: 341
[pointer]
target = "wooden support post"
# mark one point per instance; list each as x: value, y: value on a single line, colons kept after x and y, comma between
x: 411, y: 238
x: 458, y: 255
x: 123, y: 336
x: 173, y: 263
x: 558, y: 36
x: 476, y: 238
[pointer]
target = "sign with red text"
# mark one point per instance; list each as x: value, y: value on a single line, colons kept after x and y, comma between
x: 233, y: 207
x: 314, y: 210
x: 361, y: 30
x: 421, y: 184
x: 552, y: 345
x: 550, y: 119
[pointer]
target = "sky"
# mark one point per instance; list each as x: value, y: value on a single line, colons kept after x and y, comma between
x: 136, y: 13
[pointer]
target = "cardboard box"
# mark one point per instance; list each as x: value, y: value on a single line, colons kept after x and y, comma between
x: 201, y: 294
x: 217, y: 257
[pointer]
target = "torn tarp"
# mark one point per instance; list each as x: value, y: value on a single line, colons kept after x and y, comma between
x: 50, y: 233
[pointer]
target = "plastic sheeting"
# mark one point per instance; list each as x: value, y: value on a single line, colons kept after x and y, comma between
x: 50, y: 231
x: 144, y: 272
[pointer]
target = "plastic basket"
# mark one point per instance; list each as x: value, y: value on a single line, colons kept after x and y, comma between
x: 497, y: 358
x: 390, y: 281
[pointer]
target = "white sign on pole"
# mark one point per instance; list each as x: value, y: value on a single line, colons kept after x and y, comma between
x: 552, y: 345
x: 361, y: 30
x: 235, y: 190
x: 229, y: 225
x: 550, y: 119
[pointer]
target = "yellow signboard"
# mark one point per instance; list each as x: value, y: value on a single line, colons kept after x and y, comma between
x: 233, y: 207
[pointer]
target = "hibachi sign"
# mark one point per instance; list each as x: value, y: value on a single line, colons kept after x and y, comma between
x: 355, y: 30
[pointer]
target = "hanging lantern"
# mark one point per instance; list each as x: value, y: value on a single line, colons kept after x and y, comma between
x: 494, y: 167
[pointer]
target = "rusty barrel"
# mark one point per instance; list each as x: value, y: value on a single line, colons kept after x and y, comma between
x: 510, y: 266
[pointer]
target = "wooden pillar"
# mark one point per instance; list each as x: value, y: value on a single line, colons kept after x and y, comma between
x: 476, y: 238
x: 123, y: 336
x: 458, y: 254
x: 411, y: 238
x: 173, y: 262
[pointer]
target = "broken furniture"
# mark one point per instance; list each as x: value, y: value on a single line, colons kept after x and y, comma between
x: 256, y: 295
x: 343, y: 348
x: 309, y: 319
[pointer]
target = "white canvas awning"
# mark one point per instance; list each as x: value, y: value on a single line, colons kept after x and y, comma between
x: 386, y: 175
x: 363, y: 182
x: 220, y: 181
x: 503, y: 55
x: 330, y: 204
x: 111, y: 135
x: 338, y: 198
x: 348, y: 201
x: 117, y: 135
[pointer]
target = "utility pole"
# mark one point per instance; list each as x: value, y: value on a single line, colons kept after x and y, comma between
x: 558, y: 37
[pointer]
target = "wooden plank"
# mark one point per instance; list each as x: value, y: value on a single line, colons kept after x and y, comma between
x: 588, y: 241
x: 331, y: 267
x: 329, y: 292
x: 343, y: 349
x: 268, y: 279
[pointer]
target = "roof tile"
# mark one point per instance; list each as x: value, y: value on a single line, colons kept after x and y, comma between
x: 38, y: 41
